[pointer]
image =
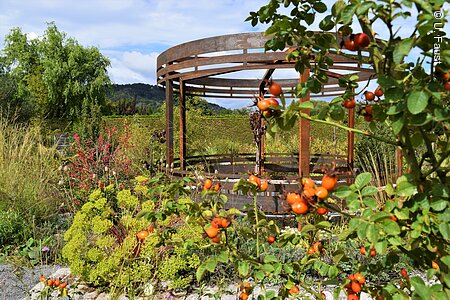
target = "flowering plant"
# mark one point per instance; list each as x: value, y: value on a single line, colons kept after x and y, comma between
x: 98, y: 163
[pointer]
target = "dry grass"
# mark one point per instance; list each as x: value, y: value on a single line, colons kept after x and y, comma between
x: 28, y: 172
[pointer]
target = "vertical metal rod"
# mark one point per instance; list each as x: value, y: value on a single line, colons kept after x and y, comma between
x: 182, y: 124
x: 169, y: 124
x: 351, y: 139
x: 304, y: 135
x: 399, y: 170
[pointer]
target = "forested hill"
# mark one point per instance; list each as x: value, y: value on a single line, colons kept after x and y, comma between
x: 143, y: 92
x: 151, y: 96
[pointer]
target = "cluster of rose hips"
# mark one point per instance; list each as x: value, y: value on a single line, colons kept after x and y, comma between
x: 217, y: 223
x: 372, y: 251
x: 245, y: 289
x: 261, y: 185
x: 142, y: 235
x: 270, y: 107
x: 443, y: 76
x: 55, y: 283
x: 317, y: 247
x: 208, y: 184
x: 356, y: 42
x: 370, y: 97
x: 311, y: 194
x: 354, y: 286
x: 366, y: 109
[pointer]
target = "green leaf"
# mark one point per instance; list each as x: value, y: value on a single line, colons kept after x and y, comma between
x: 397, y: 124
x: 277, y: 268
x: 200, y: 272
x: 342, y: 192
x: 320, y: 7
x: 381, y: 247
x: 369, y: 191
x: 381, y: 215
x: 446, y: 260
x: 362, y: 230
x: 337, y: 256
x: 353, y: 224
x: 438, y: 204
x: 243, y: 268
x: 389, y: 189
x: 288, y: 268
x: 420, y: 288
x: 268, y: 268
x: 323, y: 224
x: 417, y: 102
x: 444, y: 229
x: 347, y: 14
x: 396, y: 241
x: 270, y: 258
x: 391, y: 227
x: 333, y: 271
x: 326, y: 24
x: 372, y: 233
x: 395, y: 109
x: 259, y: 275
x: 362, y: 180
x: 307, y: 228
x: 370, y: 202
x: 364, y: 7
x: 406, y: 189
x: 306, y: 105
x: 222, y: 257
x: 402, y: 214
x: 270, y: 294
x: 211, y: 264
x: 402, y: 49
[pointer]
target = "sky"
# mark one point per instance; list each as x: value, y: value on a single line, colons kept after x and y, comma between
x: 132, y: 33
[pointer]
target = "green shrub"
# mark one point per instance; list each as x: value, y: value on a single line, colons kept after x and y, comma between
x: 13, y: 228
x: 103, y: 248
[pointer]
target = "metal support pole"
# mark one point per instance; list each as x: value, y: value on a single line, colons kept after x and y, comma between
x: 304, y: 135
x: 169, y: 124
x: 182, y: 125
x: 399, y: 169
x: 351, y: 140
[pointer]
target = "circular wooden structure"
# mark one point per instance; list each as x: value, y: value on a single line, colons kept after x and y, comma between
x: 213, y: 68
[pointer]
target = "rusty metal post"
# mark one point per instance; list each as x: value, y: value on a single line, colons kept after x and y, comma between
x: 351, y: 139
x: 169, y: 124
x: 182, y: 125
x: 399, y: 170
x: 304, y: 135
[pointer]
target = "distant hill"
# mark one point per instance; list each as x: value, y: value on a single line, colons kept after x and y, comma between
x: 149, y: 96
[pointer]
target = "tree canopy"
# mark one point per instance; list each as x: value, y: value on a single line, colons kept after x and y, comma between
x: 54, y: 73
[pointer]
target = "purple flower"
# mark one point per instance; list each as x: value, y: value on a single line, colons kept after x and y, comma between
x: 45, y: 249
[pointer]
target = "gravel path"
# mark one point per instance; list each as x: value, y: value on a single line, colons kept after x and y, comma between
x: 15, y: 282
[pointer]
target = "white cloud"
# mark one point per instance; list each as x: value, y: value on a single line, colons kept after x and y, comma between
x: 132, y: 66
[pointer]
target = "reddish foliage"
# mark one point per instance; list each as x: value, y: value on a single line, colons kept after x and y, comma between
x: 96, y: 164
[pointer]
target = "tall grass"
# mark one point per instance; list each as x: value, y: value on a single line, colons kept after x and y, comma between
x: 28, y: 173
x: 379, y: 159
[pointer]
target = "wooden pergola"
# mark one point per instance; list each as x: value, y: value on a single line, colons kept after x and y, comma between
x: 210, y: 68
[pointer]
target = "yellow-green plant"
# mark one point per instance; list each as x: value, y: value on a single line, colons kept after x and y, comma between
x: 109, y: 247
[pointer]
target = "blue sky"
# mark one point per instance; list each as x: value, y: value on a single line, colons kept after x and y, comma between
x: 132, y: 33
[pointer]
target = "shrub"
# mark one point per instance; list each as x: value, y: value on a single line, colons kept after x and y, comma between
x: 95, y: 164
x: 14, y: 229
x: 103, y: 247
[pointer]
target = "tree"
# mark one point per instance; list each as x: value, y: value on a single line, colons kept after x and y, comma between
x: 57, y: 73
